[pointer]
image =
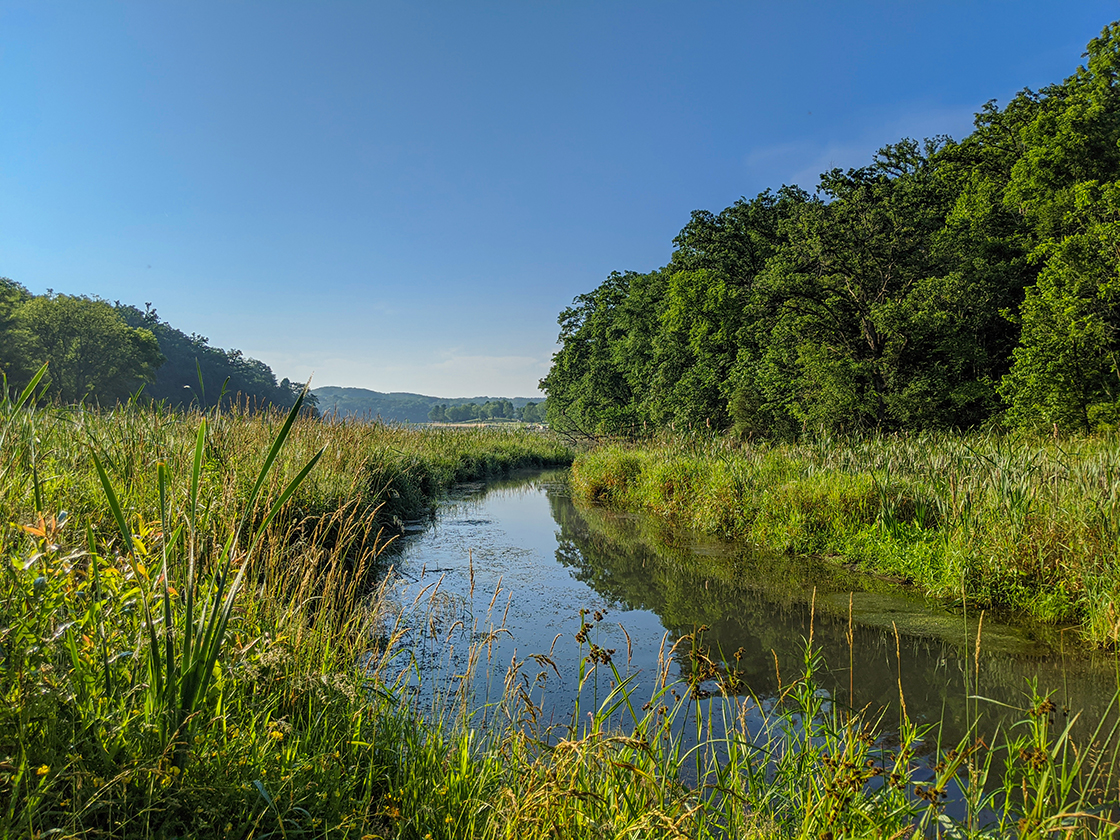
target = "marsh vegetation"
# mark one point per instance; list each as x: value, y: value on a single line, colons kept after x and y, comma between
x: 1020, y: 524
x: 199, y: 644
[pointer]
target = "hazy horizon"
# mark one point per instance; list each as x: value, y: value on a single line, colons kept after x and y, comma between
x: 316, y: 387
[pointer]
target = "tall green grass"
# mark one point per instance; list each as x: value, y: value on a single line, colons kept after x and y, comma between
x: 1024, y: 524
x: 193, y: 649
x: 393, y: 473
x: 178, y: 590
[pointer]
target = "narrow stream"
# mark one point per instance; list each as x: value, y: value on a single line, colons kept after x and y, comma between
x: 510, y: 565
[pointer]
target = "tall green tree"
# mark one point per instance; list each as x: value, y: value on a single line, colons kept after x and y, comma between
x: 853, y: 329
x: 92, y: 353
x: 696, y: 348
x: 1067, y: 182
x: 13, y: 339
x: 587, y: 388
x: 1067, y: 365
x: 708, y: 308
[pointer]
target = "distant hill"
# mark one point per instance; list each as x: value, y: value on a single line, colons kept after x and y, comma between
x: 396, y: 407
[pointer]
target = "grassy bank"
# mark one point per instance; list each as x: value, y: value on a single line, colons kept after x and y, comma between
x: 383, y: 475
x: 190, y: 651
x: 1030, y: 525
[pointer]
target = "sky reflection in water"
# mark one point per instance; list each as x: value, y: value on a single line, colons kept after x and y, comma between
x: 547, y: 560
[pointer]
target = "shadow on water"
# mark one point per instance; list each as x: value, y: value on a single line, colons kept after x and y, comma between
x: 519, y: 557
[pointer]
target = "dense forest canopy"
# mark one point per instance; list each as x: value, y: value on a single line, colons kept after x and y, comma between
x: 945, y: 284
x: 103, y: 353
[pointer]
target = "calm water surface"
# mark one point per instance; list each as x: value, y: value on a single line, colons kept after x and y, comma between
x: 508, y: 566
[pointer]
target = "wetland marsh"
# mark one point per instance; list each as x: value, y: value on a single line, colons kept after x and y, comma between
x: 539, y: 562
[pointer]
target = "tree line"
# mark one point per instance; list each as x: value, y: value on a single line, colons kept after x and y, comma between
x: 98, y: 352
x: 531, y: 412
x: 946, y: 284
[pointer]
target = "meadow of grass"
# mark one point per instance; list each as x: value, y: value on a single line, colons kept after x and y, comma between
x: 1030, y: 525
x: 190, y: 646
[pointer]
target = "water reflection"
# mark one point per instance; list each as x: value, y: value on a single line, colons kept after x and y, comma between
x: 520, y: 558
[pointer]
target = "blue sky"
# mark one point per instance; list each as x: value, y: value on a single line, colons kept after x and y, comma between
x: 403, y: 196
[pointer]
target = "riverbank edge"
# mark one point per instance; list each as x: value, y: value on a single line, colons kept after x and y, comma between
x: 996, y: 541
